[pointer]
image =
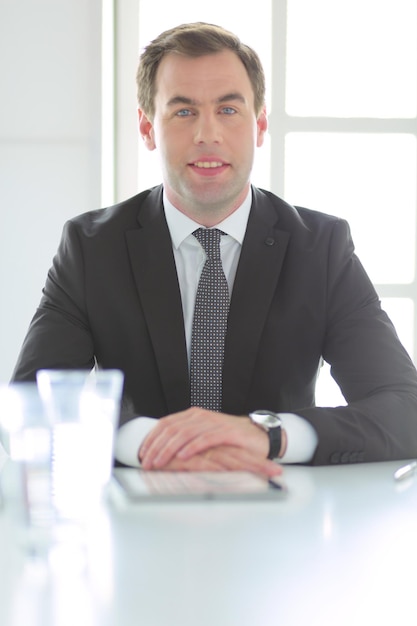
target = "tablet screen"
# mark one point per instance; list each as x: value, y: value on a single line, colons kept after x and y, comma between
x: 159, y: 485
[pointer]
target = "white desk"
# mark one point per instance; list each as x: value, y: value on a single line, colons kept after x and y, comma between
x: 341, y: 550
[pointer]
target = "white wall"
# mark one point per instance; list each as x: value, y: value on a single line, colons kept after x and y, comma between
x: 50, y: 77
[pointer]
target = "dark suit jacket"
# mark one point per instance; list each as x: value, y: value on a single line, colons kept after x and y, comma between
x: 300, y: 294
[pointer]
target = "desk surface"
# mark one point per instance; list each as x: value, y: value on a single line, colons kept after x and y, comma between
x: 341, y: 549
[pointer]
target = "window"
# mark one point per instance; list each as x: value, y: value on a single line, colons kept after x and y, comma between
x: 348, y: 112
x: 342, y: 98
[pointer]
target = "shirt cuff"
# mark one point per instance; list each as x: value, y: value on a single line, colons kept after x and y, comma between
x: 302, y: 439
x: 129, y: 439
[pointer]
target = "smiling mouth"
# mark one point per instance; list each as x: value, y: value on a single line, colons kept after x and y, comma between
x: 208, y: 164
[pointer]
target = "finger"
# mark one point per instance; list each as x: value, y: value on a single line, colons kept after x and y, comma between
x: 207, y: 439
x: 199, y: 463
x: 173, y: 435
x: 172, y: 420
x: 159, y: 427
x: 237, y: 459
x: 237, y: 432
x: 166, y: 441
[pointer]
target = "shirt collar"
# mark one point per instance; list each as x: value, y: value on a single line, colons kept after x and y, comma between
x: 180, y: 226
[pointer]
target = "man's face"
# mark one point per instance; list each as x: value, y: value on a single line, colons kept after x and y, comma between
x: 206, y: 130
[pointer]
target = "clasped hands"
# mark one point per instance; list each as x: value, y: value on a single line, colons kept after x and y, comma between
x: 201, y: 440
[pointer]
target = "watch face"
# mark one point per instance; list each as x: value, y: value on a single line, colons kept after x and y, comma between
x: 271, y: 421
x: 266, y: 419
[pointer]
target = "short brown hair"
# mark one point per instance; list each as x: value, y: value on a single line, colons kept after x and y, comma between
x: 195, y: 40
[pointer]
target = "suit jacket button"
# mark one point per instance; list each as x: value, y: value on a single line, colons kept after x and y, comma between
x: 269, y: 241
x: 335, y: 458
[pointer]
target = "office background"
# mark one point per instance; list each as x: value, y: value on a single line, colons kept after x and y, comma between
x: 342, y: 97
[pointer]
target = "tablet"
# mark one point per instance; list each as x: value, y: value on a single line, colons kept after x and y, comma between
x: 148, y: 486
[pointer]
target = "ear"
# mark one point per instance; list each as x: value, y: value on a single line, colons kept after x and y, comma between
x: 262, y: 127
x: 146, y: 130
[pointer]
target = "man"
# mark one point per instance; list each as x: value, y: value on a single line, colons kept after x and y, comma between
x: 122, y: 290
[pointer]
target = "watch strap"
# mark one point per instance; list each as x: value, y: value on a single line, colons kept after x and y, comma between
x: 275, y: 436
x: 261, y: 418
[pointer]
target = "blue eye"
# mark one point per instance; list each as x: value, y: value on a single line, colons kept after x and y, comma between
x: 184, y: 113
x: 228, y: 110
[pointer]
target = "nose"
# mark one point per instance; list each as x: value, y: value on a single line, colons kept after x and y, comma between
x: 207, y: 129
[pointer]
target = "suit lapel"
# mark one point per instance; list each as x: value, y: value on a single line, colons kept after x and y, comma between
x: 153, y: 266
x: 260, y: 264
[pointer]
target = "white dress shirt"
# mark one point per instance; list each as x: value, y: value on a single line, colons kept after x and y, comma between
x: 190, y: 258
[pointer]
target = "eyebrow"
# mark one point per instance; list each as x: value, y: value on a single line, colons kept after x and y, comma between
x: 233, y: 96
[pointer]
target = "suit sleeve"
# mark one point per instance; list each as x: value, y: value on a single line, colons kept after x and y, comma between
x: 59, y: 333
x: 373, y: 370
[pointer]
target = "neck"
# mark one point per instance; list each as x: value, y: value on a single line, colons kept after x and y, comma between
x: 207, y: 215
x: 209, y: 219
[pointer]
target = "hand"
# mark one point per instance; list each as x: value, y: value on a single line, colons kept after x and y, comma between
x: 188, y: 433
x: 225, y: 458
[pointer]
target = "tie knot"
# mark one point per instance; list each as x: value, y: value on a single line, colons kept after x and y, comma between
x: 209, y: 238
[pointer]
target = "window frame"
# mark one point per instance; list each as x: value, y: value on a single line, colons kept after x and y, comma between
x: 123, y: 151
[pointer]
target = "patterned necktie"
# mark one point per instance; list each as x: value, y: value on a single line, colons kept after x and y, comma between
x: 209, y: 325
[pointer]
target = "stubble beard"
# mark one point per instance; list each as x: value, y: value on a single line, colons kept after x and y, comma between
x: 213, y: 203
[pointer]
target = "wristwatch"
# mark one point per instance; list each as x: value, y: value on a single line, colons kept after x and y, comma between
x: 271, y: 423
